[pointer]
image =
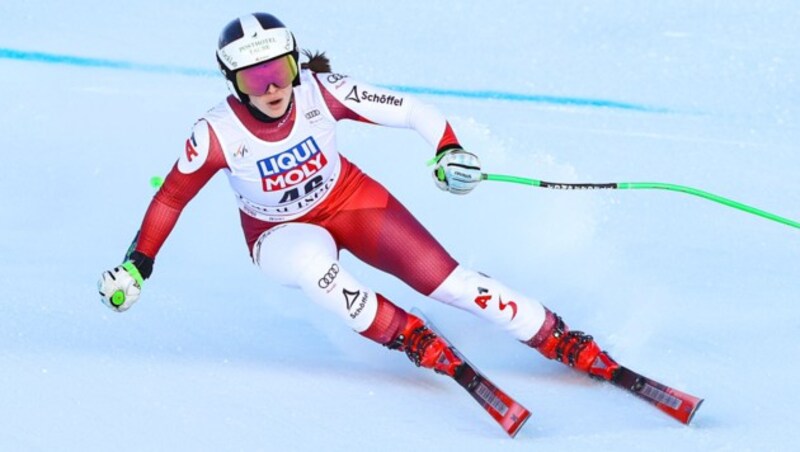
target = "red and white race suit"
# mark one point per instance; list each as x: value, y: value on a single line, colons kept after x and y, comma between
x: 290, y: 171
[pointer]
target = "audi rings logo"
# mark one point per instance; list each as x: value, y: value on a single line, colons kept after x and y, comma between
x: 333, y: 78
x: 329, y: 277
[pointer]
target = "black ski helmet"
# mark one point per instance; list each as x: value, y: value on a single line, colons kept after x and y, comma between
x: 250, y: 40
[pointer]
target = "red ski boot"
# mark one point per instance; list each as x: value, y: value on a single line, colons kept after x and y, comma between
x: 573, y: 348
x: 424, y: 348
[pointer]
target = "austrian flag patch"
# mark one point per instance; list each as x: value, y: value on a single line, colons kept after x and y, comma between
x: 292, y: 166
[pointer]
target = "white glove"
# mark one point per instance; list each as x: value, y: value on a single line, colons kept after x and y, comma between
x: 120, y: 288
x: 457, y: 171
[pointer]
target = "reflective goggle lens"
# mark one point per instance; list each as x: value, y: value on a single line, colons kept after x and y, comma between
x: 255, y: 80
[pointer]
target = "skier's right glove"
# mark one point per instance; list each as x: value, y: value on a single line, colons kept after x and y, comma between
x: 120, y: 288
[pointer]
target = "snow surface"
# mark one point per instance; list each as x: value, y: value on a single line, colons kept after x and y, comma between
x: 214, y: 357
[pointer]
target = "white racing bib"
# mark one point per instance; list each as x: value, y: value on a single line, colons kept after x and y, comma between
x: 281, y: 181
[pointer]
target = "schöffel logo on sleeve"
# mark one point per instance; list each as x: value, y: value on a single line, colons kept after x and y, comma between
x: 388, y: 99
x: 291, y: 167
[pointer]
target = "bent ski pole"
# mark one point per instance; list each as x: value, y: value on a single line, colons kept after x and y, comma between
x: 641, y: 185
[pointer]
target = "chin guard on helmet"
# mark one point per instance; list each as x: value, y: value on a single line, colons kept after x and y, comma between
x: 253, y: 39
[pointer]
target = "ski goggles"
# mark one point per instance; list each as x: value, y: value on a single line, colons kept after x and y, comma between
x: 255, y: 80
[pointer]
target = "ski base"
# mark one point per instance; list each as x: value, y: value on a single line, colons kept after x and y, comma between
x: 677, y: 404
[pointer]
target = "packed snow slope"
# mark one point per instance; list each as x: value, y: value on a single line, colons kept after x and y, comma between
x: 99, y: 96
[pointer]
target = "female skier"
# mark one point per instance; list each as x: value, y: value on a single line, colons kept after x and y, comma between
x: 301, y: 202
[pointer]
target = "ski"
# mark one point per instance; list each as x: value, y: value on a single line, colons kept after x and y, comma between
x: 506, y: 411
x: 510, y: 414
x: 677, y: 404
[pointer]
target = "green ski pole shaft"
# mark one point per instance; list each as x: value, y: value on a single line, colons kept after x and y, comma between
x: 640, y: 186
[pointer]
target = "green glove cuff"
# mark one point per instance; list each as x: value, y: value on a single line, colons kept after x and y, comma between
x: 438, y: 157
x: 134, y: 272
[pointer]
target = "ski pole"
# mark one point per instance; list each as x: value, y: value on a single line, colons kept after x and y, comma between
x: 641, y: 185
x: 156, y: 182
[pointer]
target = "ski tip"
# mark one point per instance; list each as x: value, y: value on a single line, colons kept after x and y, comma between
x: 693, y: 412
x: 516, y: 426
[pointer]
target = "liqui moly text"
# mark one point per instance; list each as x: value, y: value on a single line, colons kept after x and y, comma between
x: 292, y: 166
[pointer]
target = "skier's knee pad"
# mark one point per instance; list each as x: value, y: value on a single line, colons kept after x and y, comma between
x: 305, y: 256
x: 488, y: 298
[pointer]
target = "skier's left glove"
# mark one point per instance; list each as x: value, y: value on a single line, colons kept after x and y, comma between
x: 457, y: 171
